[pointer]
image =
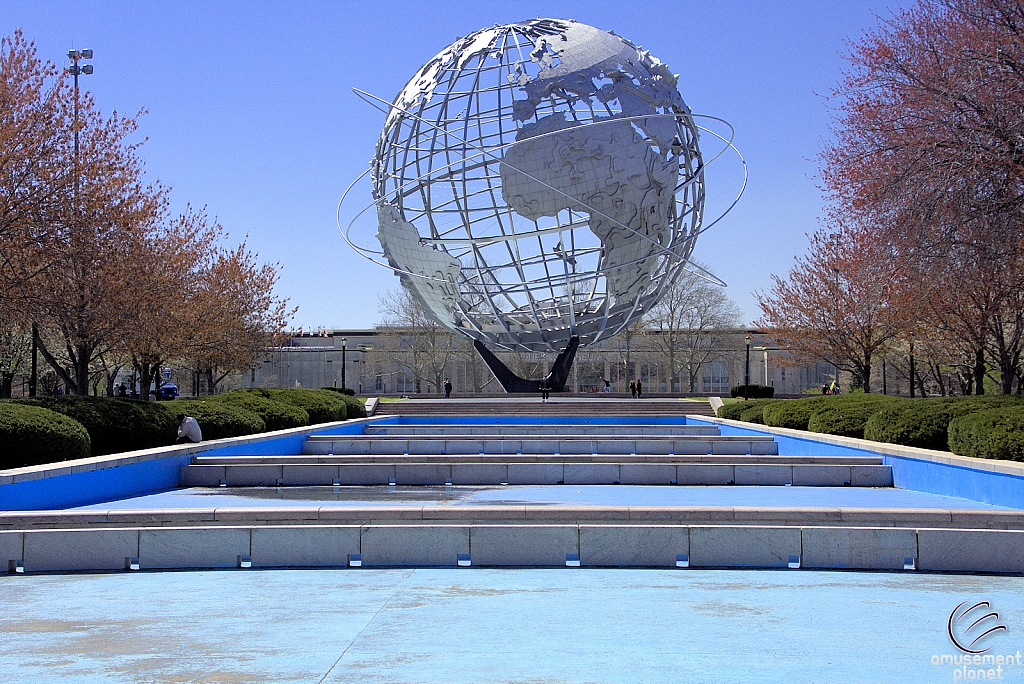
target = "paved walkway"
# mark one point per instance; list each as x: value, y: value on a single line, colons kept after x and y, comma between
x: 478, y: 625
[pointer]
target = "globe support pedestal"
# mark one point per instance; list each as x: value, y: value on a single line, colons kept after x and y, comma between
x: 512, y: 383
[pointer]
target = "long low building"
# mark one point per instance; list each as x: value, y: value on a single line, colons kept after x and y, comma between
x: 388, y: 361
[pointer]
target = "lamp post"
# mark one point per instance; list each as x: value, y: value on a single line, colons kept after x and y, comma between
x: 884, y: 388
x: 911, y: 366
x: 75, y: 70
x: 344, y: 344
x: 746, y: 372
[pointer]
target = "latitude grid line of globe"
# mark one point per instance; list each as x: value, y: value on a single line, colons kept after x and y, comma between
x: 439, y: 162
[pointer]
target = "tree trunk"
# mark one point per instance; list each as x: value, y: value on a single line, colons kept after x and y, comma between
x: 83, y: 354
x: 5, y: 385
x: 61, y: 372
x: 865, y: 375
x: 145, y: 379
x: 1007, y: 372
x: 979, y: 372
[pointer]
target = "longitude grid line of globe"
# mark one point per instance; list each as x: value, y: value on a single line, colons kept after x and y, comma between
x: 643, y: 286
x: 506, y: 238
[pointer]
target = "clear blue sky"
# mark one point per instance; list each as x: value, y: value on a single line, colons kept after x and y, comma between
x: 251, y: 111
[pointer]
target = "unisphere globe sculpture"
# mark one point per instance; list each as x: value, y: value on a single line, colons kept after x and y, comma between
x: 539, y: 181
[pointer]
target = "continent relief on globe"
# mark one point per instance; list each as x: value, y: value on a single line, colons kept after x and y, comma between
x: 436, y: 291
x: 606, y: 170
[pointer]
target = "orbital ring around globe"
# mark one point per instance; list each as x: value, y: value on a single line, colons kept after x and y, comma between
x: 367, y: 252
x: 560, y: 201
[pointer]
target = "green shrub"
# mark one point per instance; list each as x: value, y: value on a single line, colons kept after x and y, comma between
x: 796, y: 413
x: 219, y: 419
x: 117, y: 425
x: 924, y: 423
x: 31, y: 435
x: 355, y: 407
x: 753, y: 391
x: 322, y: 407
x: 993, y: 433
x: 735, y: 411
x: 348, y: 391
x: 755, y: 412
x: 276, y: 415
x: 793, y: 413
x: 847, y: 418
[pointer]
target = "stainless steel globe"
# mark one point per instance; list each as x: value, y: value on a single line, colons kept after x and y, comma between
x: 539, y: 181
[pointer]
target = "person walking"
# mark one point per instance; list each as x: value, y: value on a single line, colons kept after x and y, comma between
x: 188, y: 430
x: 639, y: 389
x: 632, y: 388
x: 447, y: 388
x: 545, y: 387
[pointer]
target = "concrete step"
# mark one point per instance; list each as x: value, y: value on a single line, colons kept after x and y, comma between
x: 499, y: 444
x: 535, y: 407
x: 525, y: 429
x: 537, y: 473
x: 809, y: 542
x: 343, y: 459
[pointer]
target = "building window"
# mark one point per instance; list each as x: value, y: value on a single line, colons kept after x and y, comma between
x: 715, y: 376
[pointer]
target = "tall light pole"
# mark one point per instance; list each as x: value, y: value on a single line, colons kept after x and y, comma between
x: 911, y: 366
x: 75, y: 70
x: 344, y: 345
x: 746, y: 372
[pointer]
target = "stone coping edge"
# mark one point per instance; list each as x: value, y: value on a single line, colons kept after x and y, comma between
x: 510, y: 513
x: 82, y: 465
x: 896, y: 450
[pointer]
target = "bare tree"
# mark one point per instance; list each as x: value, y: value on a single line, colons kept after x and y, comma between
x: 423, y: 346
x: 686, y: 327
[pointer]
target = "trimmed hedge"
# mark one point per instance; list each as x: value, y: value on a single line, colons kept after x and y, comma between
x: 754, y: 391
x: 116, y: 425
x: 751, y: 408
x: 30, y: 435
x: 796, y: 413
x: 847, y: 418
x: 924, y: 423
x: 994, y: 433
x: 793, y: 413
x: 276, y: 415
x: 322, y: 407
x: 356, y: 408
x: 755, y: 414
x: 347, y: 391
x: 218, y: 419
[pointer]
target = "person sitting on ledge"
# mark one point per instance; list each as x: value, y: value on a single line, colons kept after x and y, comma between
x: 188, y: 430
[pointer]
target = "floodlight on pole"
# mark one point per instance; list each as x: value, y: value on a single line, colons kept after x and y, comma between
x: 75, y: 70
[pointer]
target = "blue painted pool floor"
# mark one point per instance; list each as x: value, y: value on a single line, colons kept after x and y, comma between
x: 476, y: 625
x: 594, y: 495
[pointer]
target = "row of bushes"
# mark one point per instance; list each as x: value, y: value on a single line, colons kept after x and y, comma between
x: 752, y: 391
x: 45, y: 430
x: 983, y: 427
